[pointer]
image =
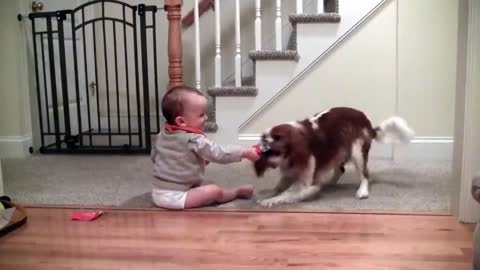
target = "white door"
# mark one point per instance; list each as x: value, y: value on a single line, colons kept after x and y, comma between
x: 82, y: 109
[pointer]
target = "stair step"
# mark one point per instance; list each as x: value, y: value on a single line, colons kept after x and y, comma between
x: 211, y: 109
x: 315, y: 18
x: 245, y: 91
x: 274, y: 55
x: 331, y: 6
x: 233, y: 91
x: 292, y: 40
x: 210, y: 127
x: 246, y: 81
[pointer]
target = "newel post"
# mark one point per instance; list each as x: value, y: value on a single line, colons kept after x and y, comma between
x: 175, y: 68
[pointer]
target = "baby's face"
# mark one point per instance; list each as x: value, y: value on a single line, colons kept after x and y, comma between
x: 195, y: 111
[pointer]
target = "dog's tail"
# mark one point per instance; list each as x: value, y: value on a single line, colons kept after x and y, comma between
x: 394, y: 130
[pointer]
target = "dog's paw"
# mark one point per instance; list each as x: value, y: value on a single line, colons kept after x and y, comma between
x: 268, y: 202
x: 362, y: 193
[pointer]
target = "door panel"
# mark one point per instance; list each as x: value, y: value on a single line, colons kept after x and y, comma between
x: 76, y: 107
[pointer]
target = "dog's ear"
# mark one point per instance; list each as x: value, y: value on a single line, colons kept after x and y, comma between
x: 261, y: 166
x: 296, y: 149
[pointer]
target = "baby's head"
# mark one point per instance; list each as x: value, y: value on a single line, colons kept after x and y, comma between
x: 185, y: 106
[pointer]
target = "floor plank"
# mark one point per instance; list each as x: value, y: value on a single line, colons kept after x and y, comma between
x: 135, y: 239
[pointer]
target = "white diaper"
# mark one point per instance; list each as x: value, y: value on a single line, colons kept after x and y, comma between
x: 169, y: 199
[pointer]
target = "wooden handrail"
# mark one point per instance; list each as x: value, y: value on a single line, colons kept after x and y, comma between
x: 203, y: 6
x: 175, y: 68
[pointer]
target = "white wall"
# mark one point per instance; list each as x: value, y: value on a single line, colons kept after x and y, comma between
x: 402, y: 61
x: 427, y: 55
x: 14, y: 102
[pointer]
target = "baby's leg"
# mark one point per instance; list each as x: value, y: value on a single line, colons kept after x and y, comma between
x: 204, y: 195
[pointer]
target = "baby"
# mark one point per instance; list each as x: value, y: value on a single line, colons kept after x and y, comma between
x: 182, y: 151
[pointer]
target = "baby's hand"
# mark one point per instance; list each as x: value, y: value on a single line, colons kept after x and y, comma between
x: 250, y: 153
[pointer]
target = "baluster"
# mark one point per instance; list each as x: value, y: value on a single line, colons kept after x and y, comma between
x: 258, y: 26
x: 197, y: 47
x: 175, y: 68
x: 238, y: 57
x: 218, y: 56
x: 299, y: 6
x: 320, y: 6
x: 278, y: 26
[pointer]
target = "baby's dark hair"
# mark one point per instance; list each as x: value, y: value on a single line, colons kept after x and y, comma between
x: 173, y: 102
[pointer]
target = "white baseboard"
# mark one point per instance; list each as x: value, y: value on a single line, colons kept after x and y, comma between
x: 421, y: 148
x: 14, y: 146
x: 425, y: 148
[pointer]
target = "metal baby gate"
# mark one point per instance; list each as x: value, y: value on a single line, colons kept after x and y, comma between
x: 94, y: 69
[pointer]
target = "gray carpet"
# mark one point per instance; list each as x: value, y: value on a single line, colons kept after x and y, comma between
x: 125, y: 181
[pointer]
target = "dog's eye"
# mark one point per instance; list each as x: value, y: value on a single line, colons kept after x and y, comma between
x: 276, y: 137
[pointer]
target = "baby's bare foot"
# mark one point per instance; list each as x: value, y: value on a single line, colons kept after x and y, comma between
x: 245, y: 191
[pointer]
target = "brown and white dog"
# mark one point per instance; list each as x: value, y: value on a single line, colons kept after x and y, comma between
x: 312, y: 153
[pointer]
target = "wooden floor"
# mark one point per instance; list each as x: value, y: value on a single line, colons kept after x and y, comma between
x: 127, y: 239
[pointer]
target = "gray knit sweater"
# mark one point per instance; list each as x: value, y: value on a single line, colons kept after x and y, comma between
x: 179, y: 159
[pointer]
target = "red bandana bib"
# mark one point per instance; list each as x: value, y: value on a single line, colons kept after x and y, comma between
x: 169, y: 127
